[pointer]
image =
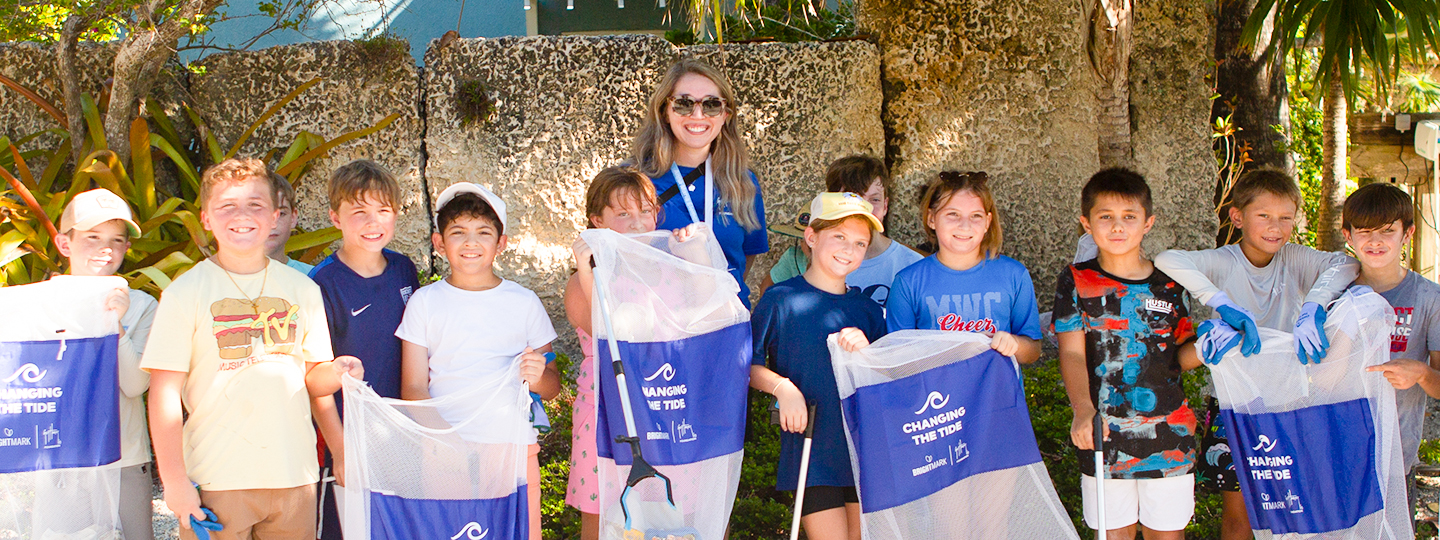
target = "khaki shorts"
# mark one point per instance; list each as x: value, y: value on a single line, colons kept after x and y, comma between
x: 271, y: 514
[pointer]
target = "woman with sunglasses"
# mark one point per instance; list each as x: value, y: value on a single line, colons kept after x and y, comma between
x: 689, y: 145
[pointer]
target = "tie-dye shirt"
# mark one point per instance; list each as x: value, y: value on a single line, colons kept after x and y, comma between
x: 1133, y: 331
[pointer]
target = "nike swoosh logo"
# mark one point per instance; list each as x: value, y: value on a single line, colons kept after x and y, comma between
x: 356, y: 312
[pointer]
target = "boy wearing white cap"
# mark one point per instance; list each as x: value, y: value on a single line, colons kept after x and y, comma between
x: 95, y: 232
x: 473, y: 325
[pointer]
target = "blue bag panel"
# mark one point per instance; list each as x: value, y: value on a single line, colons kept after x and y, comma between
x: 59, y: 404
x: 688, y: 396
x: 399, y: 518
x: 923, y: 433
x: 1306, y: 471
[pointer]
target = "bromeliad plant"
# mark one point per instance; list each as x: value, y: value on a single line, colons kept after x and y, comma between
x: 172, y: 239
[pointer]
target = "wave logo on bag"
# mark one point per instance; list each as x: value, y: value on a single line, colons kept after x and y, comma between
x: 1266, y: 444
x: 934, y: 401
x: 666, y: 370
x: 29, y: 373
x: 471, y: 531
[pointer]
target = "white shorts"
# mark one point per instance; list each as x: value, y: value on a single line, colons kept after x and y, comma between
x: 1160, y: 504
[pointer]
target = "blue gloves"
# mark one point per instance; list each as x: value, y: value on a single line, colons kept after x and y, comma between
x: 1310, y: 340
x: 1216, y: 339
x: 202, y: 528
x: 1239, y: 319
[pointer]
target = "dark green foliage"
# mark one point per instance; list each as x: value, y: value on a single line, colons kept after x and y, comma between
x: 473, y: 102
x: 760, y: 511
x: 557, y: 520
x: 788, y: 21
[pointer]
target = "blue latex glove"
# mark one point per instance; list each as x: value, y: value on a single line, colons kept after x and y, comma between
x: 1239, y: 319
x: 1216, y: 339
x: 1310, y: 340
x: 202, y: 528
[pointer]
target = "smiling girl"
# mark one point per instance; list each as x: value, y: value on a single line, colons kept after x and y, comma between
x: 792, y: 360
x: 689, y: 144
x: 967, y: 286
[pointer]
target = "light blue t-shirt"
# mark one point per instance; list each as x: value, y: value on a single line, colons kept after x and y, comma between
x: 875, y: 276
x: 302, y: 267
x: 995, y: 295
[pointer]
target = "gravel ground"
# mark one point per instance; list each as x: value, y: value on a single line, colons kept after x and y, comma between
x: 166, y: 526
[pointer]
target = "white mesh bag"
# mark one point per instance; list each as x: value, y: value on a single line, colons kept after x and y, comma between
x: 1317, y: 448
x: 941, y: 442
x: 59, y: 410
x: 411, y: 474
x: 684, y: 341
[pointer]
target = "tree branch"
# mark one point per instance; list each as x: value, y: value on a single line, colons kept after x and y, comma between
x: 68, y: 70
x: 138, y: 62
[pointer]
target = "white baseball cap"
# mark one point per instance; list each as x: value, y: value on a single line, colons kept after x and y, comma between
x: 94, y: 207
x: 470, y: 187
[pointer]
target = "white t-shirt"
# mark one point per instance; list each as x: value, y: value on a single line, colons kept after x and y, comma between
x: 243, y: 341
x: 472, y: 337
x: 134, y: 432
x: 875, y: 276
x: 1298, y: 274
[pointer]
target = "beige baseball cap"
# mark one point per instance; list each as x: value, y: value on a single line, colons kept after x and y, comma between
x: 94, y: 207
x: 832, y: 206
x: 470, y: 187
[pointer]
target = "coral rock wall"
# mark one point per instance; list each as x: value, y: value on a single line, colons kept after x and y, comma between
x: 1005, y: 87
x: 1002, y: 86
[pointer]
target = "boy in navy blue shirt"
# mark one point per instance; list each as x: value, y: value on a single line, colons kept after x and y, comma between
x: 365, y: 287
x: 790, y: 325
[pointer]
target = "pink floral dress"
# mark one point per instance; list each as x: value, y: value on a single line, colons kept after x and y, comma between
x: 583, y: 492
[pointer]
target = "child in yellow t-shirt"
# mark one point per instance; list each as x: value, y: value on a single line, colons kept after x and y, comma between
x: 246, y: 351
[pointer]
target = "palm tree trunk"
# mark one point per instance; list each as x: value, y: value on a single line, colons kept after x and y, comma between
x: 1253, y: 94
x: 1109, y: 48
x: 1332, y: 167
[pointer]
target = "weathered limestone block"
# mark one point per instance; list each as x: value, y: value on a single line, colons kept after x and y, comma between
x: 566, y: 107
x: 1004, y: 86
x: 361, y: 85
x: 1000, y: 86
x: 1170, y: 114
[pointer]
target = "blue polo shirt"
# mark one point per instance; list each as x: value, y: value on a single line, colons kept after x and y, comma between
x: 735, y: 241
x: 363, y: 314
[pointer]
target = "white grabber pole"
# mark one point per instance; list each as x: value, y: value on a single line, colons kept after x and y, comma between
x: 804, y: 472
x: 1100, y: 475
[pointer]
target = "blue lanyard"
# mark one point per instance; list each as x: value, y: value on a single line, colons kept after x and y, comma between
x: 684, y: 190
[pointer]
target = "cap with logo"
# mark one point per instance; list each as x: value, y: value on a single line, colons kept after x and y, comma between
x: 828, y: 206
x: 833, y: 206
x: 94, y: 207
x: 458, y: 188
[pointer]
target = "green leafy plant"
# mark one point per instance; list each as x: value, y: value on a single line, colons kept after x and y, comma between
x: 172, y: 239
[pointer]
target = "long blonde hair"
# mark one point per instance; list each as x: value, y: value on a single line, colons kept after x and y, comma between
x: 654, y: 147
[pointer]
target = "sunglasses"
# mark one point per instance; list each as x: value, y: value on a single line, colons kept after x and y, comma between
x: 710, y: 106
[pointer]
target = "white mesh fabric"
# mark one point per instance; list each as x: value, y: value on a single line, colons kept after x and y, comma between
x: 661, y: 290
x: 1017, y: 502
x: 74, y: 503
x: 1274, y: 381
x: 408, y: 449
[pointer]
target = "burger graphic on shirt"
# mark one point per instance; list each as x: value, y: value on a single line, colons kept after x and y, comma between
x: 238, y: 323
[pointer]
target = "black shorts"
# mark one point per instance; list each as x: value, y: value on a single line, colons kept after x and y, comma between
x: 1215, y: 468
x: 821, y: 498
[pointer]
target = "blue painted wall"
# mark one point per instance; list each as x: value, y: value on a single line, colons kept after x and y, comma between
x: 416, y: 21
